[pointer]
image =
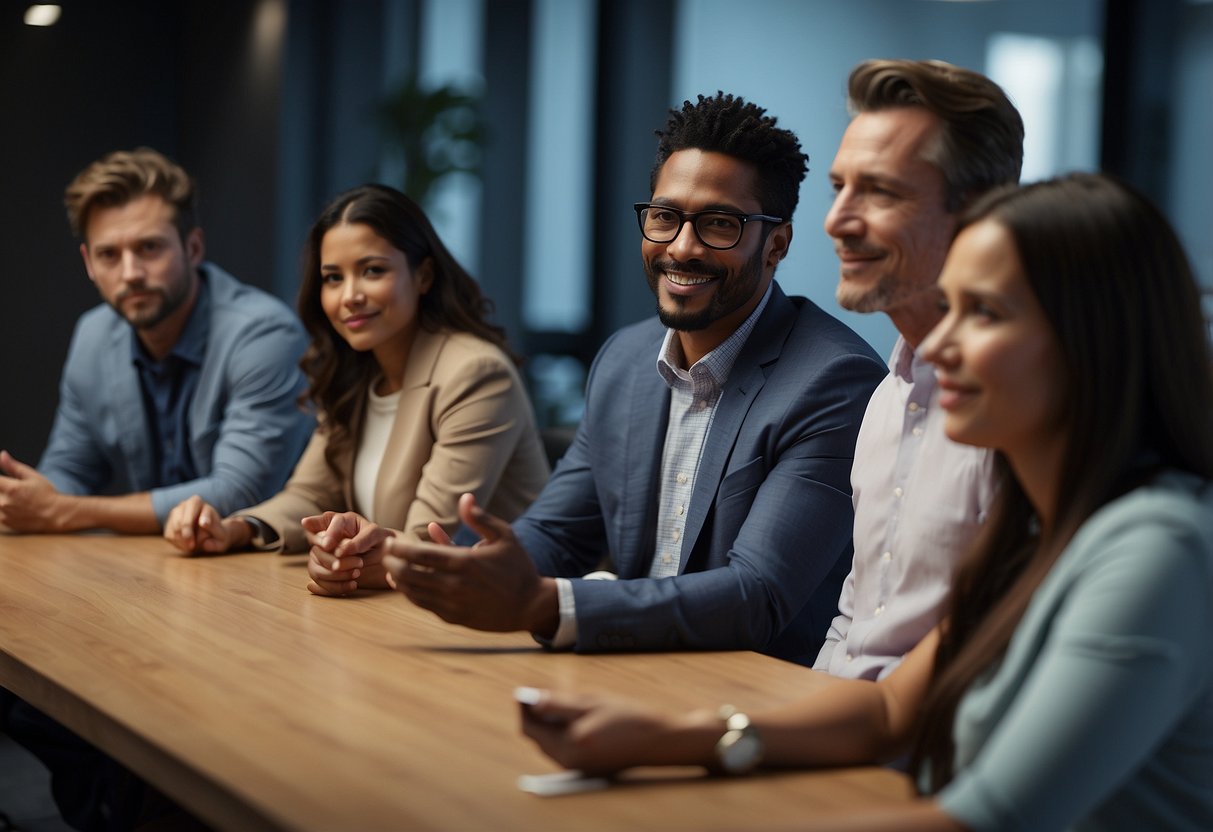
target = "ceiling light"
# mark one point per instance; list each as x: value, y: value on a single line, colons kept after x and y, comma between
x: 42, y: 15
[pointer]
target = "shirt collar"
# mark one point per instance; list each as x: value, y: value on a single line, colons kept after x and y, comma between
x: 909, y: 366
x: 718, y: 363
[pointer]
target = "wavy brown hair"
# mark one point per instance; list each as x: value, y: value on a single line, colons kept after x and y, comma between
x: 338, y: 375
x: 1117, y: 288
x: 125, y: 175
x: 981, y: 137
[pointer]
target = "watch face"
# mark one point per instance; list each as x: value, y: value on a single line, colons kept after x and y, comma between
x: 741, y: 754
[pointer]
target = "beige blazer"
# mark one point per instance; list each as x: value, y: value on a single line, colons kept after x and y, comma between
x: 464, y: 423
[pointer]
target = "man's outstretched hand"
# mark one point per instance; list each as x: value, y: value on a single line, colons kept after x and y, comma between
x: 490, y: 586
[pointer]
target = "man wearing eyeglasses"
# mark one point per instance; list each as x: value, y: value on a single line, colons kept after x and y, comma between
x: 716, y: 481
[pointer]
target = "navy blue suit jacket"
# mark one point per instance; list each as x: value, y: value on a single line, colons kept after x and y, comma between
x: 768, y: 532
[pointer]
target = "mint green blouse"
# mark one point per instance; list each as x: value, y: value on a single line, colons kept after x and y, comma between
x: 1100, y: 716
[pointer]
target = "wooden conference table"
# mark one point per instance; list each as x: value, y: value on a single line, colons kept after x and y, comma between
x: 259, y: 706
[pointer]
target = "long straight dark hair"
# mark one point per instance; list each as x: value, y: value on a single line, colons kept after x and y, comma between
x: 338, y: 375
x: 1117, y: 288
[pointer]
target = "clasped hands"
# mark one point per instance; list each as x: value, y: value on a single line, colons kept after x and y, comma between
x: 492, y: 585
x: 346, y: 548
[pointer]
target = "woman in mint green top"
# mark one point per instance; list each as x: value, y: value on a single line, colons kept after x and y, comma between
x: 1100, y: 715
x: 1070, y: 685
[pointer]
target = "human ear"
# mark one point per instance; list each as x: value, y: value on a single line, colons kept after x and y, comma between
x: 195, y: 246
x: 778, y: 243
x: 425, y: 275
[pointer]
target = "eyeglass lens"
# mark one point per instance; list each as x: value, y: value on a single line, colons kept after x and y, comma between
x: 717, y: 230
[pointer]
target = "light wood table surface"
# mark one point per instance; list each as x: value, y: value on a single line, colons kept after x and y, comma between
x: 260, y: 706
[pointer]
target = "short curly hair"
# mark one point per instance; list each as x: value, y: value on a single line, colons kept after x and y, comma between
x: 730, y: 125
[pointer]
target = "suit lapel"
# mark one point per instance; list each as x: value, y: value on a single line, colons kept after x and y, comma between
x: 746, y: 379
x: 418, y: 374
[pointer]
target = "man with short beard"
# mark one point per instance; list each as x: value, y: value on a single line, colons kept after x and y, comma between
x: 183, y: 382
x: 925, y: 140
x: 711, y: 466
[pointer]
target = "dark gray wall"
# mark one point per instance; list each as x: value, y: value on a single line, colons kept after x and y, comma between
x: 180, y: 77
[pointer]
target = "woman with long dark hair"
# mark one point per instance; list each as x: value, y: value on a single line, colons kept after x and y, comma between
x: 1071, y: 683
x: 417, y: 395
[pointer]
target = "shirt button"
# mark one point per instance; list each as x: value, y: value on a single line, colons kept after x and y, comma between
x: 850, y: 657
x: 879, y: 609
x: 913, y: 407
x: 681, y: 510
x: 917, y: 431
x: 677, y: 534
x: 887, y: 556
x: 897, y: 492
x: 666, y: 559
x: 682, y: 479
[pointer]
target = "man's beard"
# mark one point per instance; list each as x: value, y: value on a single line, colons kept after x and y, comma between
x: 876, y: 298
x: 149, y: 316
x: 731, y: 292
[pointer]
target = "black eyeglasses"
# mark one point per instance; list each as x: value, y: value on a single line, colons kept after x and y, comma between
x: 715, y: 229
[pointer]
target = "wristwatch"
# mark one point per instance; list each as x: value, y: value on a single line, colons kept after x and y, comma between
x: 739, y: 751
